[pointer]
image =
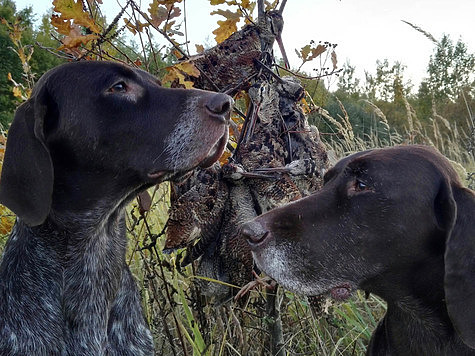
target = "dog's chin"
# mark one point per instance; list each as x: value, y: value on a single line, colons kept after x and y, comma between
x: 276, y: 264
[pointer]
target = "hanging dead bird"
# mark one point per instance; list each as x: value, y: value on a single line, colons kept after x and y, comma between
x: 229, y: 258
x: 278, y: 159
x: 197, y: 214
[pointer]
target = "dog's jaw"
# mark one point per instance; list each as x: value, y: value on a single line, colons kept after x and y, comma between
x: 296, y: 274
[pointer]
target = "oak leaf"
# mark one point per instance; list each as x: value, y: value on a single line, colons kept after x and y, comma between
x: 74, y: 39
x: 73, y: 10
x: 227, y: 27
x: 157, y: 13
x: 199, y: 48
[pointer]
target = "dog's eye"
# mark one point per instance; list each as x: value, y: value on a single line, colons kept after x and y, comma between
x: 119, y: 87
x: 360, y: 186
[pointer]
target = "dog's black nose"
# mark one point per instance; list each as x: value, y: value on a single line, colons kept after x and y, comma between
x: 219, y: 106
x: 254, y: 233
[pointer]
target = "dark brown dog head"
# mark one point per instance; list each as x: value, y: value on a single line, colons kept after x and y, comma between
x: 95, y: 129
x: 396, y: 222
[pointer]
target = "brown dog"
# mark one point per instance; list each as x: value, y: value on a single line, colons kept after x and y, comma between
x: 396, y: 222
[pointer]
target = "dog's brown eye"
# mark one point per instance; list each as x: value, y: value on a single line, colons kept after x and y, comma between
x: 360, y: 186
x: 119, y: 87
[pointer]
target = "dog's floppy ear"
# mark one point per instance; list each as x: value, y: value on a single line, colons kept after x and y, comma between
x: 455, y: 206
x: 26, y: 183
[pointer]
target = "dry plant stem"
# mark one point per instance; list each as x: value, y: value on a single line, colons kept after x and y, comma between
x: 167, y: 290
x: 334, y: 71
x: 275, y: 323
x: 158, y: 297
x: 136, y: 8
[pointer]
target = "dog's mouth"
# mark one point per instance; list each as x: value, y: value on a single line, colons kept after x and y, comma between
x: 341, y: 292
x: 178, y: 176
x: 215, y: 152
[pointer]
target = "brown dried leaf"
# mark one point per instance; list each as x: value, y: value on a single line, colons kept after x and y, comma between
x: 157, y: 13
x: 134, y: 28
x: 62, y: 25
x: 75, y: 38
x: 317, y: 51
x: 334, y: 60
x: 304, y: 52
x: 199, y: 48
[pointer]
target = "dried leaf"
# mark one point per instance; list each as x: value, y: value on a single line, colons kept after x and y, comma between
x: 157, y: 13
x: 317, y: 51
x: 304, y: 52
x: 168, y: 2
x: 199, y: 48
x: 216, y: 2
x: 75, y: 38
x: 188, y: 68
x: 224, y: 158
x: 173, y: 74
x: 17, y: 93
x: 271, y: 6
x: 7, y: 218
x: 334, y: 60
x: 72, y: 10
x: 134, y: 28
x: 62, y: 25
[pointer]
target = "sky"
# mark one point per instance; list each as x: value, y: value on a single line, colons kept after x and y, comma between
x: 364, y: 30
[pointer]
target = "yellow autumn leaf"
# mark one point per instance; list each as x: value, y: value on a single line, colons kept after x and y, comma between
x: 17, y: 92
x: 175, y: 74
x: 216, y: 2
x: 225, y: 29
x: 73, y: 10
x: 9, y: 76
x: 271, y: 6
x: 7, y: 220
x: 224, y: 157
x: 188, y: 68
x: 134, y: 28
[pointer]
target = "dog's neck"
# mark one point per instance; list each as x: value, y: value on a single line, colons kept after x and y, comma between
x: 416, y: 319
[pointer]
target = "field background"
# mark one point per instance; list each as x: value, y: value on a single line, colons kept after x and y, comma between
x: 382, y: 110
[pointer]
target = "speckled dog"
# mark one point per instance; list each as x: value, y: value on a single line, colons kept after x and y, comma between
x: 91, y: 137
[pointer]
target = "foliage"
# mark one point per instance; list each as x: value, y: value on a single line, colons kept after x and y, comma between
x: 451, y: 69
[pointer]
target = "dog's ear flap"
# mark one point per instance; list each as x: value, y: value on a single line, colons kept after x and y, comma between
x: 26, y: 184
x: 456, y: 208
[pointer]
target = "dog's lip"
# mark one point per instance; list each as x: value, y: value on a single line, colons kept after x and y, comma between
x: 341, y: 291
x: 215, y: 152
x: 212, y: 156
